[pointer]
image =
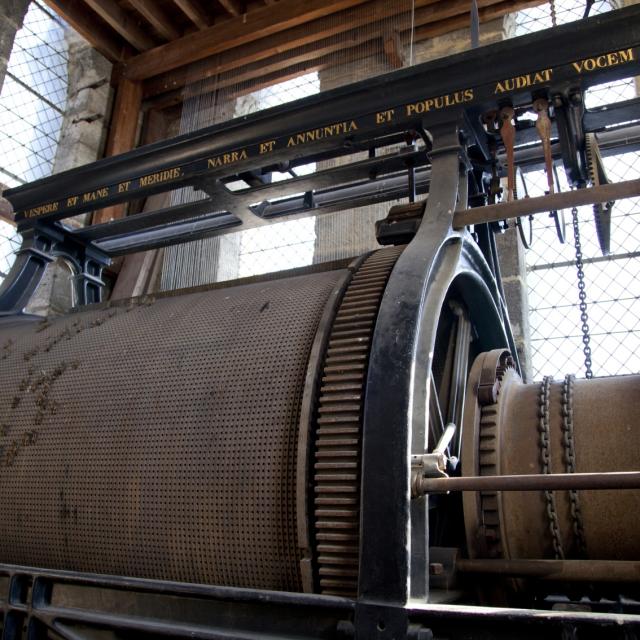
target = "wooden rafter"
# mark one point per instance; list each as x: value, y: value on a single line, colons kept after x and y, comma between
x: 153, y: 13
x: 193, y: 12
x: 332, y: 52
x: 234, y: 7
x: 123, y: 133
x: 292, y: 39
x: 108, y: 43
x: 300, y: 45
x: 232, y: 33
x: 122, y: 22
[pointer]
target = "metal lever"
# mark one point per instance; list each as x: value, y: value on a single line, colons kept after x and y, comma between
x: 508, y: 133
x: 543, y: 126
x: 431, y: 465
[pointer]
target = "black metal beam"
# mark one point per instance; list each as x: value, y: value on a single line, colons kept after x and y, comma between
x: 605, y: 48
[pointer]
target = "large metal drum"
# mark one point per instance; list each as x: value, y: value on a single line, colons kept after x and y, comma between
x: 170, y: 438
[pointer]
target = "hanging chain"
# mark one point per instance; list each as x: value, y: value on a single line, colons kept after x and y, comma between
x: 545, y: 459
x: 570, y: 461
x: 552, y: 7
x: 586, y: 336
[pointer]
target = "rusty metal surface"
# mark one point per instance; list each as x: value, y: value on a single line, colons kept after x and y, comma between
x: 503, y: 438
x: 159, y: 439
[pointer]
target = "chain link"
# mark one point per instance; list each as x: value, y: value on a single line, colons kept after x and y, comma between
x: 586, y: 336
x: 570, y: 461
x: 554, y: 19
x: 545, y: 459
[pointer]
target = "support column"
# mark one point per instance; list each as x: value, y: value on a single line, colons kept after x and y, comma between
x: 12, y: 13
x: 82, y: 136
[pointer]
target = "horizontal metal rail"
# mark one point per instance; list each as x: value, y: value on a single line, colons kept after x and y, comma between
x: 605, y: 48
x: 533, y: 482
x: 565, y: 570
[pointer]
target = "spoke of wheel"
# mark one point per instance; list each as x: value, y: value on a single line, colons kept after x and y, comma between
x: 436, y: 423
x: 459, y: 375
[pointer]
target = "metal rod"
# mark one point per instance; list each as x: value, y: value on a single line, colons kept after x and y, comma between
x: 544, y: 204
x: 534, y: 482
x: 563, y: 570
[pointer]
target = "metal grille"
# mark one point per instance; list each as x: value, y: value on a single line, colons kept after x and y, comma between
x: 542, y: 16
x: 612, y: 282
x: 33, y: 98
x: 32, y: 104
x: 612, y: 286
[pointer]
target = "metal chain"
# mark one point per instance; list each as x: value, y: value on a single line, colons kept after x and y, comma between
x: 570, y: 461
x: 552, y: 7
x: 545, y: 459
x: 586, y: 336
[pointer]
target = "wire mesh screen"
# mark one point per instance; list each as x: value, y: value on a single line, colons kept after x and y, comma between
x: 33, y: 99
x: 296, y: 243
x: 612, y: 283
x: 32, y: 105
x: 612, y: 286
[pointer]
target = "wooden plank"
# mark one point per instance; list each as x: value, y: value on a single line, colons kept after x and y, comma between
x: 232, y: 7
x: 487, y: 11
x: 122, y: 135
x: 122, y: 22
x: 232, y: 33
x: 193, y: 12
x: 157, y: 18
x: 392, y: 47
x: 344, y: 23
x: 327, y: 54
x: 243, y: 59
x: 102, y: 38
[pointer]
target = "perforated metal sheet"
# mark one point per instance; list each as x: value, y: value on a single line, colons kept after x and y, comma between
x: 159, y: 440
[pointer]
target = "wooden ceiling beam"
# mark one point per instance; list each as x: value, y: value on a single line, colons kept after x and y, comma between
x: 121, y: 21
x: 123, y: 134
x: 233, y: 7
x: 232, y: 33
x: 336, y: 24
x: 487, y: 11
x: 193, y: 12
x: 334, y: 53
x: 152, y: 12
x: 108, y: 43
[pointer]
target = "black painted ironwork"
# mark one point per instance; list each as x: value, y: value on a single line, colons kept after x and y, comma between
x: 439, y: 262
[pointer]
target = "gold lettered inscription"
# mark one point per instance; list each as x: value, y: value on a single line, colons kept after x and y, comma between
x: 441, y: 102
x: 124, y: 186
x: 72, y: 201
x: 226, y: 158
x: 92, y: 196
x: 267, y: 147
x: 160, y: 176
x: 384, y: 117
x: 612, y: 59
x: 524, y: 81
x: 331, y: 130
x: 43, y: 209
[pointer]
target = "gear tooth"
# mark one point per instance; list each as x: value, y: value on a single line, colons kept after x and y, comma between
x: 488, y: 465
x: 336, y: 437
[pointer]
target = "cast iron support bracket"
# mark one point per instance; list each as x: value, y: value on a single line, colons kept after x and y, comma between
x: 41, y: 245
